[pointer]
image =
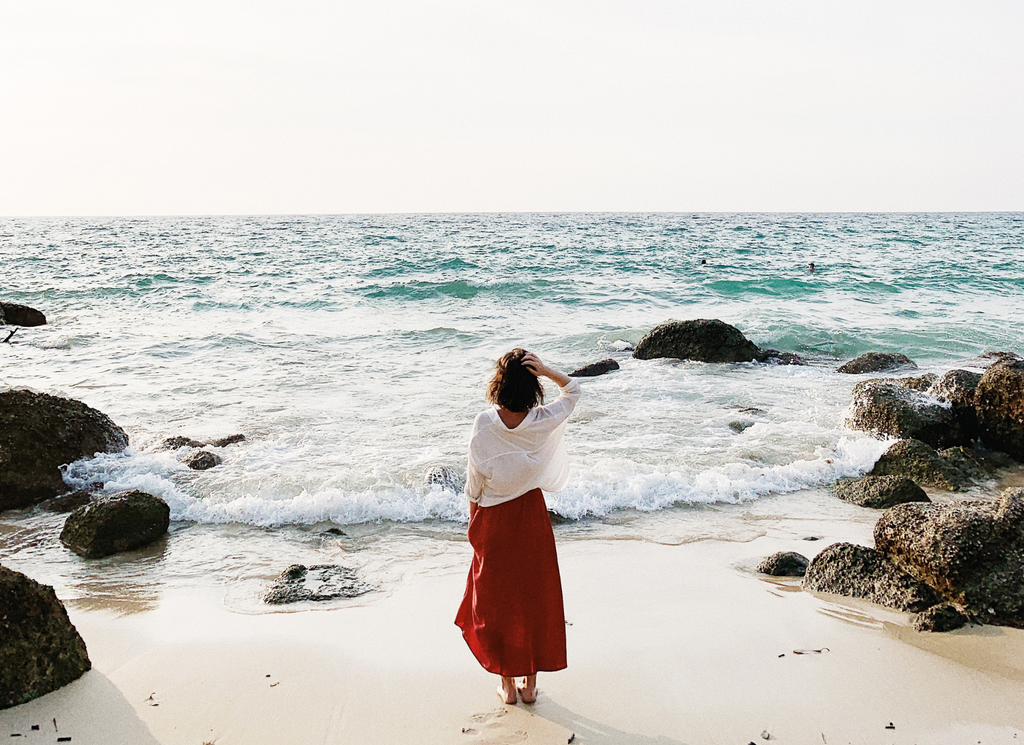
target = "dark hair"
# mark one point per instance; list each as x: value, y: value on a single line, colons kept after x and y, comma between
x: 513, y: 385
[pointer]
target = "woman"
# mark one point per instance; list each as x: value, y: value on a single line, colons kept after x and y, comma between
x: 511, y: 615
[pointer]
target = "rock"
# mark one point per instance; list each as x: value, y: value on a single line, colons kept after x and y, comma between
x: 321, y: 582
x: 943, y: 617
x: 970, y: 552
x: 957, y: 387
x: 221, y: 442
x: 20, y: 315
x: 446, y: 477
x: 202, y: 460
x: 594, y: 369
x: 738, y: 425
x: 750, y: 410
x: 922, y: 383
x: 879, y: 492
x: 40, y: 649
x: 877, y: 362
x: 337, y: 532
x: 920, y: 462
x: 784, y: 564
x: 775, y: 357
x: 861, y: 572
x: 114, y: 523
x: 977, y: 464
x: 67, y: 502
x: 999, y: 403
x: 174, y: 443
x: 38, y: 434
x: 557, y: 519
x: 703, y: 340
x: 889, y: 409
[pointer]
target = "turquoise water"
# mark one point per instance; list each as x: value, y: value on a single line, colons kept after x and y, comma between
x: 353, y: 350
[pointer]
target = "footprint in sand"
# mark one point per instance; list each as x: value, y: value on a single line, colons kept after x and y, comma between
x: 489, y: 729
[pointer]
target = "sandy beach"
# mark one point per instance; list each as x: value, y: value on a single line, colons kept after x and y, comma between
x: 668, y: 644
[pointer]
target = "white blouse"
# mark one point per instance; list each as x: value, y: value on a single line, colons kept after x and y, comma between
x: 506, y: 463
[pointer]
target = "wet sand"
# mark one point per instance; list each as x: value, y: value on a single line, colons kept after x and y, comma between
x: 668, y: 645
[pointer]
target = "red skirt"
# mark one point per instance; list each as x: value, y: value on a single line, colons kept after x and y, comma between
x: 511, y: 615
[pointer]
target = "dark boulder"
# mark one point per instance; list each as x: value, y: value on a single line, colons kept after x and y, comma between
x: 877, y: 362
x: 20, y: 315
x: 40, y: 649
x: 922, y: 463
x: 740, y: 425
x: 889, y: 409
x: 943, y: 617
x: 174, y: 443
x: 594, y: 369
x: 68, y: 502
x: 114, y: 523
x: 446, y: 477
x: 784, y: 564
x: 861, y: 572
x: 879, y: 492
x: 202, y: 460
x: 999, y: 403
x: 221, y: 442
x: 703, y: 340
x: 971, y: 552
x: 318, y: 583
x: 38, y: 434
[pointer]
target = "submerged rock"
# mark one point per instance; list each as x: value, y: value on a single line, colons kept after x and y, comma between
x: 740, y: 425
x: 594, y: 369
x: 68, y: 502
x: 922, y: 463
x: 317, y: 583
x: 999, y: 403
x: 775, y: 357
x: 703, y: 340
x: 971, y: 553
x: 879, y: 492
x: 114, y: 523
x: 221, y: 442
x: 174, y: 443
x: 202, y: 460
x: 889, y: 408
x: 446, y: 477
x: 861, y: 572
x: 13, y: 314
x: 38, y: 434
x: 877, y: 362
x: 40, y: 649
x: 784, y: 564
x: 944, y: 617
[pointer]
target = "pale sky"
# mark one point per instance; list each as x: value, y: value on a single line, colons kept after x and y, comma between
x: 148, y: 107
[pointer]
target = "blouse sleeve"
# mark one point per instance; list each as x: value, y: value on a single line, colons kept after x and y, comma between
x: 474, y: 479
x: 562, y: 407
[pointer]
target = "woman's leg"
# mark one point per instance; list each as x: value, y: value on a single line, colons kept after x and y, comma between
x: 507, y: 690
x: 529, y: 690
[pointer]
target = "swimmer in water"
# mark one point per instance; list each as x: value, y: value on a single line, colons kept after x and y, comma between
x: 811, y: 267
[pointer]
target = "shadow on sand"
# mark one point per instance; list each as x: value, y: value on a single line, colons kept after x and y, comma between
x: 589, y: 732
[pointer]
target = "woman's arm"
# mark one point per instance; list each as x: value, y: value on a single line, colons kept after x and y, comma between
x: 532, y: 363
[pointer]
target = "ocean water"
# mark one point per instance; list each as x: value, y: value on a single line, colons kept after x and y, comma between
x: 352, y: 351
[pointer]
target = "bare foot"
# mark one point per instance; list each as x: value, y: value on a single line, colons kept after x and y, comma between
x: 528, y: 691
x: 507, y: 691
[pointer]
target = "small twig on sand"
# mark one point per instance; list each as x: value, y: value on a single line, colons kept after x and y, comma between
x: 8, y: 339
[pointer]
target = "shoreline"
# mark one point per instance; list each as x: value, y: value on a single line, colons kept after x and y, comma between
x: 690, y: 632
